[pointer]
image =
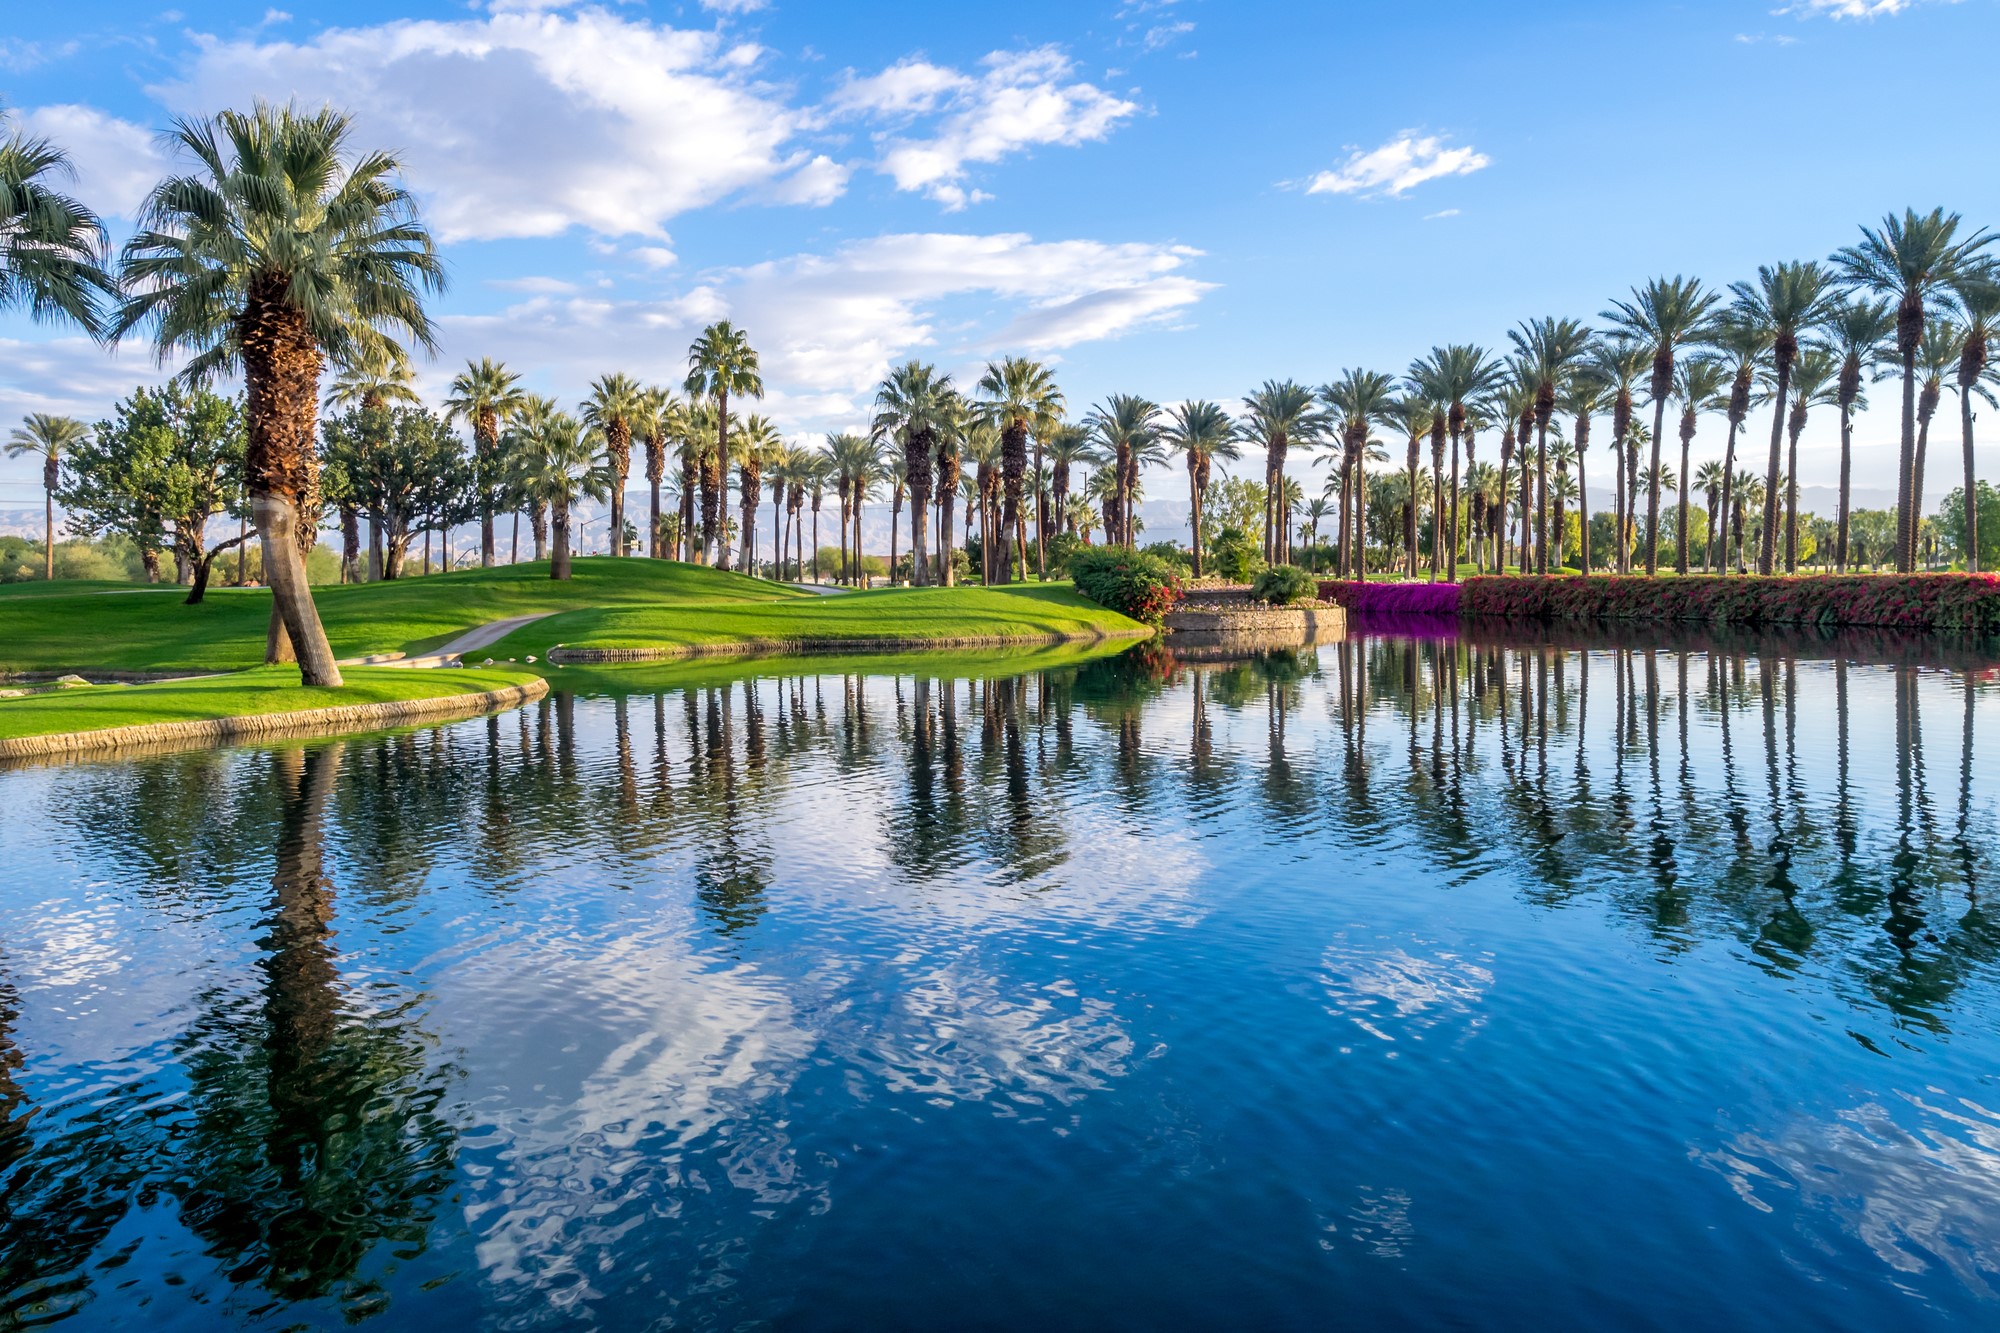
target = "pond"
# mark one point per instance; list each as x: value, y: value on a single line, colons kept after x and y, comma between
x: 1504, y: 979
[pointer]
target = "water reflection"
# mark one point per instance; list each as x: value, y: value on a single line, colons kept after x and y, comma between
x: 593, y: 1012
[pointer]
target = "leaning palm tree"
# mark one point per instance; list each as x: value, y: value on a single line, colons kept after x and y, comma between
x: 1128, y: 426
x: 1665, y: 315
x: 1355, y: 403
x: 1280, y: 414
x: 51, y: 246
x: 485, y: 394
x: 48, y: 437
x: 557, y: 462
x: 1021, y: 397
x: 1550, y: 350
x: 1459, y: 376
x: 1200, y: 432
x: 915, y: 405
x: 720, y: 363
x: 1070, y: 445
x: 1911, y: 260
x: 277, y: 254
x: 1979, y: 302
x: 1785, y: 301
x: 616, y: 401
x: 1815, y: 383
x: 1712, y: 483
x: 1937, y: 360
x: 1702, y: 385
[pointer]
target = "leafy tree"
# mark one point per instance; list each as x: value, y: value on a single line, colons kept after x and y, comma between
x: 168, y: 461
x: 405, y: 465
x: 1952, y: 528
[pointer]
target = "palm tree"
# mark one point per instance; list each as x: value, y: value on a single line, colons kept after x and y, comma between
x: 50, y: 437
x: 1201, y: 432
x: 557, y: 463
x: 1482, y: 491
x: 1749, y: 493
x: 615, y: 403
x: 720, y: 363
x: 1664, y: 315
x: 1022, y: 397
x: 897, y: 472
x: 486, y: 394
x: 1617, y: 363
x: 757, y: 445
x: 1070, y: 444
x: 1414, y: 417
x: 374, y: 374
x: 1549, y: 350
x: 1316, y: 510
x: 1712, y: 482
x: 660, y: 419
x: 1815, y: 383
x: 1741, y: 344
x: 915, y: 405
x: 1856, y: 329
x: 1979, y: 301
x: 1562, y: 490
x: 1583, y: 397
x: 954, y: 421
x: 1128, y: 426
x: 1280, y: 414
x: 1701, y: 384
x: 1355, y: 402
x: 1516, y: 403
x: 1937, y: 357
x: 1459, y: 376
x: 820, y: 473
x: 277, y: 254
x: 1784, y: 302
x: 51, y: 246
x: 1910, y: 260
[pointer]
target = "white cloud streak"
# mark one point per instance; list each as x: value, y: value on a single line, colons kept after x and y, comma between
x: 1398, y: 166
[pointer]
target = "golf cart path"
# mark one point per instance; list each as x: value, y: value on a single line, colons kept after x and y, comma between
x: 450, y: 653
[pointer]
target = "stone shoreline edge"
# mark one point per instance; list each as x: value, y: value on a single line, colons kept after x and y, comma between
x: 810, y: 647
x: 265, y: 726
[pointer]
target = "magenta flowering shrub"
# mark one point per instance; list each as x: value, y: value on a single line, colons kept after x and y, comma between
x: 1399, y: 599
x: 1969, y: 602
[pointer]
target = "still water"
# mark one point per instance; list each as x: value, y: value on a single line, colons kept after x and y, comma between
x: 1511, y: 982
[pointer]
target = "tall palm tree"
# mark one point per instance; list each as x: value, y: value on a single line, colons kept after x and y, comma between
x: 1937, y: 357
x: 282, y: 249
x: 1815, y: 383
x: 49, y: 437
x: 1022, y: 398
x: 1785, y: 301
x: 1702, y: 384
x: 485, y: 394
x: 1978, y: 296
x: 754, y: 447
x: 1665, y: 315
x: 955, y: 421
x: 1909, y: 260
x: 1580, y: 400
x: 51, y: 246
x: 1515, y: 402
x: 1354, y: 403
x: 1749, y: 493
x: 1742, y: 344
x: 914, y: 405
x: 720, y: 363
x: 660, y: 420
x: 1128, y: 427
x: 1856, y: 328
x: 558, y: 461
x: 1550, y: 350
x: 895, y: 470
x: 533, y: 413
x: 1458, y: 375
x: 1413, y: 416
x: 1279, y: 414
x: 1070, y: 445
x: 1616, y: 364
x: 615, y: 402
x: 1712, y: 483
x: 1200, y: 432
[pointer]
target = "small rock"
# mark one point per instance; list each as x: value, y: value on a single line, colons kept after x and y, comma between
x: 14, y: 694
x: 70, y: 682
x: 487, y: 662
x: 530, y: 659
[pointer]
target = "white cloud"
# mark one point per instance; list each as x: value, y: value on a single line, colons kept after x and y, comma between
x: 525, y: 123
x: 1441, y: 213
x: 1021, y: 100
x: 1397, y: 167
x: 734, y: 6
x: 1851, y: 9
x: 1163, y: 35
x: 117, y: 163
x: 828, y: 325
x: 534, y: 284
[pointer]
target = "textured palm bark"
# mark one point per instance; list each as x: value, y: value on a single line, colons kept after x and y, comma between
x: 1909, y: 335
x: 1927, y: 406
x: 947, y: 492
x: 656, y: 471
x: 1783, y: 353
x: 1545, y: 406
x: 690, y: 487
x: 1662, y: 384
x: 1971, y: 366
x: 559, y: 566
x: 1013, y: 469
x: 51, y: 478
x: 1681, y: 530
x: 618, y: 450
x: 486, y: 449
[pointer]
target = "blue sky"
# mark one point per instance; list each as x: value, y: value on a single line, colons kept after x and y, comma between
x: 1173, y: 197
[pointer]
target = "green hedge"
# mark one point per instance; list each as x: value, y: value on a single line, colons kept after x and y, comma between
x: 1898, y: 601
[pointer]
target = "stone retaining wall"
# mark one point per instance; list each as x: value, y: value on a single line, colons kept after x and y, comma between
x: 808, y: 647
x: 298, y: 722
x: 1256, y: 618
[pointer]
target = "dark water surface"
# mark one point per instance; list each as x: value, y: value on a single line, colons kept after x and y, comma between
x: 1429, y: 982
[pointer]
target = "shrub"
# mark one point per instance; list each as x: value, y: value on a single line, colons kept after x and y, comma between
x: 1281, y: 585
x: 1395, y: 599
x: 1132, y: 583
x: 1172, y: 554
x: 1234, y: 556
x: 1061, y: 547
x: 1896, y: 601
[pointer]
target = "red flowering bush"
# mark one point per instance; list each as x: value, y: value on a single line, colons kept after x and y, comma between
x: 1968, y: 602
x: 1132, y: 583
x: 1396, y: 599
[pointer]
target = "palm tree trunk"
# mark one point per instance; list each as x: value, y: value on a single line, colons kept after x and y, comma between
x: 1924, y: 412
x: 1410, y: 512
x: 1906, y: 528
x: 1622, y: 548
x: 917, y: 470
x: 1582, y: 513
x: 1451, y: 543
x: 1542, y: 497
x: 1500, y: 563
x: 486, y: 444
x: 1792, y: 491
x: 1971, y: 481
x: 514, y: 547
x: 1653, y: 486
x: 1681, y: 536
x: 1728, y: 485
x: 1767, y: 541
x: 653, y: 516
x: 1346, y: 516
x: 559, y: 523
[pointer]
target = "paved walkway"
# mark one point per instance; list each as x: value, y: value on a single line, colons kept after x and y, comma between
x: 450, y: 654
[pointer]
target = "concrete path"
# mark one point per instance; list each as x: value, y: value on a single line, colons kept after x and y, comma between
x: 823, y: 589
x: 452, y: 653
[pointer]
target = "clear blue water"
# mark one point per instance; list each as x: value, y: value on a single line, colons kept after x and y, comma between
x: 1499, y: 983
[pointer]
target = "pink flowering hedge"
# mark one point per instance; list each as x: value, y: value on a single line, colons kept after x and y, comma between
x: 1396, y: 599
x: 1915, y: 601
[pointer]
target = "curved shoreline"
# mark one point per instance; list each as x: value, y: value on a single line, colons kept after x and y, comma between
x: 264, y: 726
x: 816, y: 646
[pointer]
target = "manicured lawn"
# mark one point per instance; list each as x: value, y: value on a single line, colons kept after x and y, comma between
x: 85, y: 627
x: 694, y: 672
x: 239, y: 694
x: 887, y: 614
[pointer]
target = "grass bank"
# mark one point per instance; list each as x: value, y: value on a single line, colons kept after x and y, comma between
x: 970, y: 664
x: 58, y: 627
x: 896, y: 618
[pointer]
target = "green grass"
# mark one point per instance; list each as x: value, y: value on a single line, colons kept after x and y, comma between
x: 886, y: 614
x: 964, y: 664
x: 239, y: 694
x: 86, y: 627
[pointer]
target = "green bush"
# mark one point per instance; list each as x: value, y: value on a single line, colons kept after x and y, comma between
x: 1132, y: 583
x: 1282, y: 585
x: 1181, y: 562
x: 1234, y: 556
x: 1061, y: 547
